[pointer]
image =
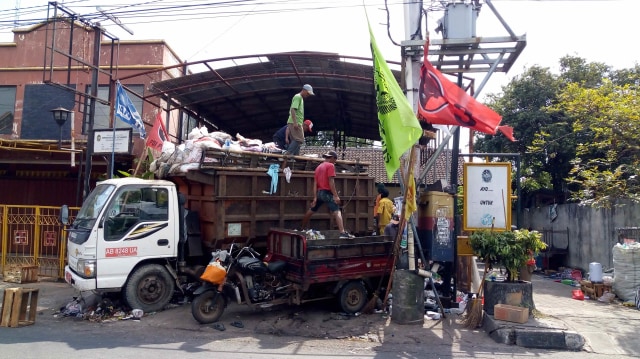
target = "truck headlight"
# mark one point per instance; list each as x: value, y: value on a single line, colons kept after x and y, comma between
x: 86, y: 267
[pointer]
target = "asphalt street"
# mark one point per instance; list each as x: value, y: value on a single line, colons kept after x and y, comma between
x: 317, y: 332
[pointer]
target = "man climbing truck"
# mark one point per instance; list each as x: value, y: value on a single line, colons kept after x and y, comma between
x: 148, y: 238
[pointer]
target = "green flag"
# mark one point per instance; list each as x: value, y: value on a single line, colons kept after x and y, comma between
x: 398, y: 124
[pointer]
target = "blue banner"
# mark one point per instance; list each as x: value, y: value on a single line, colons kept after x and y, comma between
x: 126, y: 111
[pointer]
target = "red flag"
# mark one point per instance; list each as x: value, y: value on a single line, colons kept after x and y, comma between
x: 158, y: 134
x: 443, y: 102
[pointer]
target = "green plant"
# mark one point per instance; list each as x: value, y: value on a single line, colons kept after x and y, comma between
x: 509, y: 249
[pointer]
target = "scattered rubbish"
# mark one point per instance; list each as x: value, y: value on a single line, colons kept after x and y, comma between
x: 237, y: 324
x: 607, y: 297
x: 137, y: 313
x: 577, y: 294
x: 432, y: 315
x: 219, y: 326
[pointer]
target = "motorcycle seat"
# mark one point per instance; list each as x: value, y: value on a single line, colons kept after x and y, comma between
x: 276, y: 267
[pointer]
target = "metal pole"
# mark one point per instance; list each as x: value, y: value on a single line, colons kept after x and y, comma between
x: 94, y: 94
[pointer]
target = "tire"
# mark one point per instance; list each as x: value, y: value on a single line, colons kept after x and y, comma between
x: 149, y: 288
x: 353, y: 297
x: 208, y: 307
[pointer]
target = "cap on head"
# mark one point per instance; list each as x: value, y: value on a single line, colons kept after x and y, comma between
x: 330, y: 154
x: 395, y: 219
x: 309, y: 123
x: 309, y: 89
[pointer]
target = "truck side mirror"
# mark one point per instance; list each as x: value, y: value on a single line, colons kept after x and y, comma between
x: 64, y: 214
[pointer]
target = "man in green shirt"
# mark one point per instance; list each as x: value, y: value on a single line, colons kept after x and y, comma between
x: 296, y: 119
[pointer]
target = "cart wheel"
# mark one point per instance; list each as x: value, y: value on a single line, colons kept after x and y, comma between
x: 353, y: 297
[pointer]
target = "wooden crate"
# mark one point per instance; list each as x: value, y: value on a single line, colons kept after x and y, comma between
x: 19, y: 307
x: 21, y: 274
x: 511, y: 313
x: 599, y: 290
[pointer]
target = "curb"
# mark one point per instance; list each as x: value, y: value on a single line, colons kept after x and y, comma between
x: 532, y: 337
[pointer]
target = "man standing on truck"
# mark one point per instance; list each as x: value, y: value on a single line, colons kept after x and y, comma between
x: 296, y: 119
x: 282, y: 137
x: 325, y: 192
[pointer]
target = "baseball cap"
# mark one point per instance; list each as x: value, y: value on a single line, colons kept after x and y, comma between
x: 308, y: 88
x: 330, y: 154
x: 395, y: 219
x: 309, y: 123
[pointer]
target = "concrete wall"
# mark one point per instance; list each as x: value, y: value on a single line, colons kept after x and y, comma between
x: 592, y: 231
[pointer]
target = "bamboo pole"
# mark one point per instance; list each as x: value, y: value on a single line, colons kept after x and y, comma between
x: 403, y: 222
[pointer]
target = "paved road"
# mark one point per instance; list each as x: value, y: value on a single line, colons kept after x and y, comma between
x: 309, y: 332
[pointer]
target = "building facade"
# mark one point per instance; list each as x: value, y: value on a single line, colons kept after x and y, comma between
x: 48, y: 66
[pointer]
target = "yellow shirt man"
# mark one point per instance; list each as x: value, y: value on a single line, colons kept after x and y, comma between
x: 385, y: 211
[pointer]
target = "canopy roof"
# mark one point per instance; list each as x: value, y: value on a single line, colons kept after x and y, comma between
x: 251, y: 95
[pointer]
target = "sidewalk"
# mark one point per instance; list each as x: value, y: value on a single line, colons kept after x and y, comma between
x: 569, y: 324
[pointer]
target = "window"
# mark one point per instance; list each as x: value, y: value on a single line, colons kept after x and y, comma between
x: 101, y: 120
x: 188, y: 124
x: 133, y: 206
x: 37, y: 121
x: 7, y: 105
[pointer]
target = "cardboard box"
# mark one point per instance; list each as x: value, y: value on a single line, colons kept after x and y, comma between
x: 21, y: 274
x: 511, y: 313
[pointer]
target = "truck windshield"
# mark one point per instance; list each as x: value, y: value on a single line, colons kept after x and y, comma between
x: 92, y: 206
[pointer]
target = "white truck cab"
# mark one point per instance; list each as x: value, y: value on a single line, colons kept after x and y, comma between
x: 123, y: 238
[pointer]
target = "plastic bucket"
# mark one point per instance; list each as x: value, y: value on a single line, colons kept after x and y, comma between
x: 595, y: 272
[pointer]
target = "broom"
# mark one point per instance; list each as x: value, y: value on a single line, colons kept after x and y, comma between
x: 473, y: 318
x: 370, y: 306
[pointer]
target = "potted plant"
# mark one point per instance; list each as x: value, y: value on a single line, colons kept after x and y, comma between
x: 510, y: 250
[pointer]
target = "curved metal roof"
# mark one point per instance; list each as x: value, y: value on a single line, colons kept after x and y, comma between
x: 251, y: 94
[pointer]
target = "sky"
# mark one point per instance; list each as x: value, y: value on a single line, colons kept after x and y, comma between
x: 596, y: 30
x: 600, y: 31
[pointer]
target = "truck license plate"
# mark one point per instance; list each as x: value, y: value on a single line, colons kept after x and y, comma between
x: 67, y: 277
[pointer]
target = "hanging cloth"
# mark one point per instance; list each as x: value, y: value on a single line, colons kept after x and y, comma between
x: 287, y: 174
x: 273, y: 172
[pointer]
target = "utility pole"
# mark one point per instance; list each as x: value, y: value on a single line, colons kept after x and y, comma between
x: 97, y: 37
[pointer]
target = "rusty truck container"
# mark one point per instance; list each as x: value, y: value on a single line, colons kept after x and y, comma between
x: 232, y: 194
x: 330, y: 260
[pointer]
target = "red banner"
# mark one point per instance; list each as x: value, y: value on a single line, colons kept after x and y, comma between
x: 158, y: 134
x: 444, y: 103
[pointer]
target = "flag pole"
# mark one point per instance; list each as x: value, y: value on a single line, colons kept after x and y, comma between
x: 144, y: 155
x: 403, y: 222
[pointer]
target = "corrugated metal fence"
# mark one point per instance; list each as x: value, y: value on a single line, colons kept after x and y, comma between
x: 33, y: 236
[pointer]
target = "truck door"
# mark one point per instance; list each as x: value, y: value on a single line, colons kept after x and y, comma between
x: 135, y: 226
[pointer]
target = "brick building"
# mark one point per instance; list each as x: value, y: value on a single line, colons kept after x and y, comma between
x: 36, y: 77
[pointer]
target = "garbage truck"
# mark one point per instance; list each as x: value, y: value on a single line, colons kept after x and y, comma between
x: 149, y: 238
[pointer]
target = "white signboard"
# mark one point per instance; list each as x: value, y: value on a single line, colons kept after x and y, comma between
x: 487, y: 196
x: 103, y: 141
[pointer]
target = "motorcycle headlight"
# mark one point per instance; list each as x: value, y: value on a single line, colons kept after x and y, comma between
x: 86, y: 268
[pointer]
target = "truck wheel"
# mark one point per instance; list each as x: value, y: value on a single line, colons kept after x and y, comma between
x: 353, y: 297
x: 208, y: 307
x: 149, y: 288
